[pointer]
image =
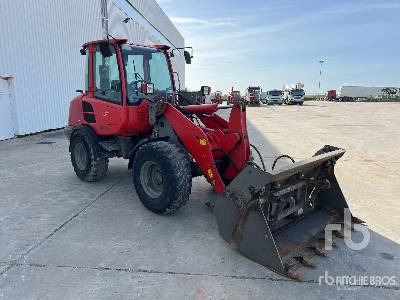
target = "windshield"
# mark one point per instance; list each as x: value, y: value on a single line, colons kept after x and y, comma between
x: 253, y: 91
x: 145, y: 65
x: 298, y: 93
x: 275, y: 93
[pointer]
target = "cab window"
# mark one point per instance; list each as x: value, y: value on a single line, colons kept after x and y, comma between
x: 107, y: 79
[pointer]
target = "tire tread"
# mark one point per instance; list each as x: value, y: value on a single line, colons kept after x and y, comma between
x: 180, y: 178
x: 98, y: 167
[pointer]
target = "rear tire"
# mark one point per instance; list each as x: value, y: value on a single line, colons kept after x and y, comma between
x: 86, y: 166
x: 162, y: 177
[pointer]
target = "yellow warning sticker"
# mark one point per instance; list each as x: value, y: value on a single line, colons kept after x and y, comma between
x: 210, y: 173
x: 203, y: 142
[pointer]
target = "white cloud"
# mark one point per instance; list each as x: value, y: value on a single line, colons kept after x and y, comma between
x: 194, y: 21
x: 164, y: 1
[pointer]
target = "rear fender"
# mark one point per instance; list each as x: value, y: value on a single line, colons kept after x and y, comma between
x: 90, y: 135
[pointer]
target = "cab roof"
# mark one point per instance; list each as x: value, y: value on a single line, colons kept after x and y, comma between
x: 113, y: 41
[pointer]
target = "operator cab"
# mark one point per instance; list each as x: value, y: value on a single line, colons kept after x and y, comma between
x: 141, y: 65
x: 121, y: 79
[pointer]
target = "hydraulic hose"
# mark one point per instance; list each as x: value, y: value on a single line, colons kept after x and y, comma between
x: 282, y: 156
x: 259, y: 155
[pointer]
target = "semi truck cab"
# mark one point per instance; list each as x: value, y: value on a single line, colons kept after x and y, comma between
x: 274, y: 97
x: 295, y: 96
x: 253, y: 95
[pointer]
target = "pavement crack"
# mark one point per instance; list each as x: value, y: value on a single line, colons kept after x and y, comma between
x: 386, y: 168
x: 150, y: 271
x: 242, y: 277
x: 77, y: 214
x: 9, y: 262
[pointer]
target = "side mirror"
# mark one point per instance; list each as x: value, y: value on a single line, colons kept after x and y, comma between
x: 147, y: 88
x: 205, y: 90
x: 105, y: 50
x: 83, y: 51
x: 188, y: 57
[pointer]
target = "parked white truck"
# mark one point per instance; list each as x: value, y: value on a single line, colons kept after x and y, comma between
x: 357, y: 93
x: 273, y: 97
x: 294, y: 93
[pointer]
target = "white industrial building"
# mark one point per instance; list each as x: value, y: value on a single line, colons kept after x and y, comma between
x: 40, y: 63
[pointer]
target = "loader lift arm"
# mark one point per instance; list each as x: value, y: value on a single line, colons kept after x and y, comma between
x: 216, y: 139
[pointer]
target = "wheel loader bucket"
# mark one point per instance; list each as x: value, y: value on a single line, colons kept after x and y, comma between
x: 277, y: 218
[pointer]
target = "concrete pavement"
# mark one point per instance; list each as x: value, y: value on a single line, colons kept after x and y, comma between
x: 65, y: 239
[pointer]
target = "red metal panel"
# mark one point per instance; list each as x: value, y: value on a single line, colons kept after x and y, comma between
x: 201, y: 109
x: 196, y: 142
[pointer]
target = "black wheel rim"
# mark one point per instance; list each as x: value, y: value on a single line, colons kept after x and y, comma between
x: 151, y: 179
x: 81, y: 156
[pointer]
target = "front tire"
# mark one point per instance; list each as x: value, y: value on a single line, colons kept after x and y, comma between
x: 86, y: 166
x: 162, y: 177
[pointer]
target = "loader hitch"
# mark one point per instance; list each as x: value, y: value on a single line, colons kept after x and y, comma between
x: 277, y: 218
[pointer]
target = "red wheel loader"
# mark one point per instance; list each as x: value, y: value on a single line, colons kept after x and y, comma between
x: 129, y: 109
x: 217, y: 97
x: 233, y: 96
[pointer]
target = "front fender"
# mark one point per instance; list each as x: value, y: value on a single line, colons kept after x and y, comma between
x: 90, y: 135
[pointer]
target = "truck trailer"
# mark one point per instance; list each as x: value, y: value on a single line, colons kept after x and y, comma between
x: 359, y: 93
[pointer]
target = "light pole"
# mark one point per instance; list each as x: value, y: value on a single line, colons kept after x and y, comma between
x: 104, y: 18
x: 320, y: 75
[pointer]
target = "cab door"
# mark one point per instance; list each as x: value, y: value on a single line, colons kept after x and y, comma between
x: 102, y: 105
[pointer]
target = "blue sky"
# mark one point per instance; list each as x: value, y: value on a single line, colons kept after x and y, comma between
x: 272, y: 43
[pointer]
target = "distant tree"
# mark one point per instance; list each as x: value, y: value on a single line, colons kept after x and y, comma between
x: 389, y: 92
